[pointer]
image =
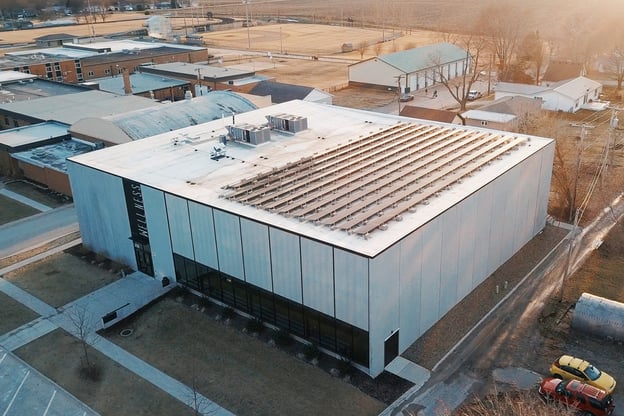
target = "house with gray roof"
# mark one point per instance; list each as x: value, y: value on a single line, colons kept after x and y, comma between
x: 55, y: 39
x: 511, y: 113
x: 569, y: 95
x: 412, y: 69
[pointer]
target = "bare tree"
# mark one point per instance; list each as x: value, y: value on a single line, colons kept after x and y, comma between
x: 362, y: 46
x: 531, y: 52
x: 84, y: 326
x: 616, y: 65
x: 460, y: 83
x: 503, y: 25
x: 201, y: 405
x: 377, y: 48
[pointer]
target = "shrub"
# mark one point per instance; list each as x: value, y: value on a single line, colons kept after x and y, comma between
x: 345, y: 367
x: 255, y: 325
x: 283, y: 338
x: 204, y: 302
x: 228, y: 313
x: 311, y: 352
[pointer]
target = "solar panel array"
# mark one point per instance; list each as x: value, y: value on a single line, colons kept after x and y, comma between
x: 365, y: 184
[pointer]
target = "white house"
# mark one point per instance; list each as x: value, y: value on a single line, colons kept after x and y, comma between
x: 511, y: 113
x: 413, y: 69
x: 568, y: 95
x: 353, y: 230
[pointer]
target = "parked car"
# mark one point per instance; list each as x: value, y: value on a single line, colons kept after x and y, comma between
x: 568, y: 367
x: 406, y: 97
x: 588, y: 399
x: 473, y: 95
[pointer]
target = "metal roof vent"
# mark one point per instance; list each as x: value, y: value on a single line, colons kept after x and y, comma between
x: 248, y: 133
x: 287, y: 122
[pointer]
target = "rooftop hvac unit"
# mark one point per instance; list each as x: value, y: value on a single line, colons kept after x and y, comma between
x: 288, y: 122
x: 249, y: 134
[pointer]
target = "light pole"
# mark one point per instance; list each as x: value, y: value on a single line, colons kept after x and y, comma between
x: 247, y: 22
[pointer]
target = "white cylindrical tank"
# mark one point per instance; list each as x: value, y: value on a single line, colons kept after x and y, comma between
x: 599, y: 316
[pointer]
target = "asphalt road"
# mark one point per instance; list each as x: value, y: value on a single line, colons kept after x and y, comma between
x: 36, y: 230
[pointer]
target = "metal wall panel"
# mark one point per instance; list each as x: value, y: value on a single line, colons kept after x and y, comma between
x: 229, y: 247
x: 351, y: 278
x: 497, y: 219
x: 286, y: 263
x: 204, y: 242
x: 449, y: 274
x: 509, y: 195
x: 102, y: 214
x: 543, y: 192
x: 384, y: 303
x: 467, y: 232
x: 257, y: 255
x: 411, y: 277
x: 179, y: 226
x: 157, y: 226
x: 484, y: 231
x: 317, y: 276
x: 431, y: 259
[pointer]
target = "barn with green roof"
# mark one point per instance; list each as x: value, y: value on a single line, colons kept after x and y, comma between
x: 412, y: 69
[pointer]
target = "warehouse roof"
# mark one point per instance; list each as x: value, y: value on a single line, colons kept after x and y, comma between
x: 134, y: 125
x: 72, y: 107
x: 354, y: 179
x: 417, y: 59
x: 140, y: 83
x: 34, y: 88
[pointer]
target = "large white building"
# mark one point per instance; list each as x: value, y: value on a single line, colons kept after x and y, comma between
x: 354, y: 230
x: 413, y: 69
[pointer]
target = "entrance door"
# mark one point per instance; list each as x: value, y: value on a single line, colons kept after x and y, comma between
x: 143, y: 254
x: 391, y: 348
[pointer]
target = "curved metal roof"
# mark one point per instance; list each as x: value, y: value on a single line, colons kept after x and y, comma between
x: 152, y: 121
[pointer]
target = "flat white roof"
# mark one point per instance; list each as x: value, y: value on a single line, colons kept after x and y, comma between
x: 14, y: 76
x: 32, y: 134
x: 489, y: 116
x: 354, y: 179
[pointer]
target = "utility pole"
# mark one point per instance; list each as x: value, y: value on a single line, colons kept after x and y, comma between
x: 583, y: 127
x: 247, y: 22
x: 398, y: 78
x: 571, y: 244
x: 613, y: 124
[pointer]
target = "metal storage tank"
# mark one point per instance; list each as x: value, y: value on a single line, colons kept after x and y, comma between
x: 599, y: 316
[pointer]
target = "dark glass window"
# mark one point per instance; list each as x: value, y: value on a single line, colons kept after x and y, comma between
x: 312, y: 326
x: 318, y: 328
x: 281, y: 314
x: 296, y: 320
x: 327, y: 332
x: 240, y: 295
